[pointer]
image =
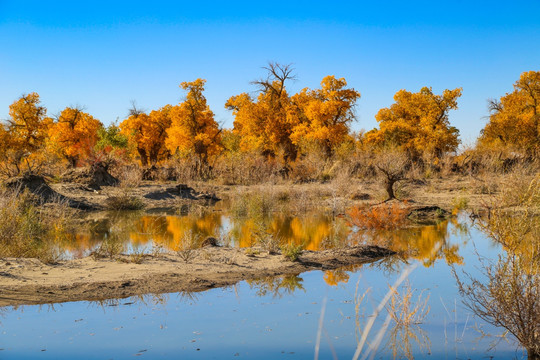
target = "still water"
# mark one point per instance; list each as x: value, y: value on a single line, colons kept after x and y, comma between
x: 274, y: 317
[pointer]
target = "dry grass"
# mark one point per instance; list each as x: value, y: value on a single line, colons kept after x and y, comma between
x: 404, y: 310
x: 124, y: 202
x: 110, y: 247
x: 29, y: 232
x: 188, y: 244
x: 130, y: 177
x: 507, y: 295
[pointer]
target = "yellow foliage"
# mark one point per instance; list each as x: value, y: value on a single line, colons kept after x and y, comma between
x: 418, y: 123
x: 74, y: 135
x: 28, y: 123
x: 263, y: 124
x: 276, y: 123
x: 323, y: 115
x: 193, y: 128
x: 25, y: 132
x: 146, y: 134
x: 515, y: 120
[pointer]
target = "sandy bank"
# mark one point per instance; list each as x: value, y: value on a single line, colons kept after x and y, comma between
x: 28, y: 281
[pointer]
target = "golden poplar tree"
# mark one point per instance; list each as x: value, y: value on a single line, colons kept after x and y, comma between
x: 28, y: 123
x: 193, y: 129
x: 26, y: 130
x: 74, y: 135
x: 515, y: 119
x: 264, y: 124
x: 146, y: 133
x: 324, y: 115
x: 418, y: 123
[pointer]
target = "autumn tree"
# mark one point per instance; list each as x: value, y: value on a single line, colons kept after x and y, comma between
x: 418, y: 123
x: 74, y: 134
x: 515, y: 119
x: 324, y: 115
x: 4, y: 149
x: 263, y: 123
x: 26, y: 129
x: 147, y: 133
x: 193, y: 128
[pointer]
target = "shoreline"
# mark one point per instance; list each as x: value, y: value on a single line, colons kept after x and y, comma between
x: 30, y: 282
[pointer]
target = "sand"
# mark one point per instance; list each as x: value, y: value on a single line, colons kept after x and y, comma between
x: 28, y: 281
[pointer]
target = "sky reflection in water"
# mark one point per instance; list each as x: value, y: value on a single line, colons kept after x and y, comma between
x: 272, y: 317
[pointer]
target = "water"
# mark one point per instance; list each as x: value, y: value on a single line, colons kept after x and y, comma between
x: 272, y: 318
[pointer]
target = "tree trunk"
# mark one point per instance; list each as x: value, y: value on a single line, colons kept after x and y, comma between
x: 143, y: 156
x: 390, y: 188
x: 72, y: 161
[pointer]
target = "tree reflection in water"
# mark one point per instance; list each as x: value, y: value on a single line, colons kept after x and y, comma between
x: 277, y: 286
x: 426, y: 244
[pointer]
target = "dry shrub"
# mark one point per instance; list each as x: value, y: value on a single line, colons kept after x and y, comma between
x: 518, y: 189
x: 28, y: 232
x: 390, y: 215
x: 392, y: 165
x: 247, y: 169
x: 507, y: 293
x: 185, y: 168
x: 124, y: 202
x: 309, y: 168
x: 110, y: 247
x: 404, y: 310
x: 501, y: 160
x: 253, y: 204
x: 507, y: 298
x: 292, y: 251
x: 129, y: 177
x: 187, y: 246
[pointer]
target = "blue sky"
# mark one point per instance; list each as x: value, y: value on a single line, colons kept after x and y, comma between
x: 101, y: 55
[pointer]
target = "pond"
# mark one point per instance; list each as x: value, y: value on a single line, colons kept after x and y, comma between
x: 274, y: 317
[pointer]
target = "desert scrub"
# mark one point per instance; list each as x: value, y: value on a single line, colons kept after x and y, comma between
x: 130, y: 178
x: 124, y: 202
x: 28, y: 232
x: 187, y: 246
x: 248, y: 204
x: 111, y: 247
x: 459, y: 203
x: 385, y: 216
x: 292, y: 251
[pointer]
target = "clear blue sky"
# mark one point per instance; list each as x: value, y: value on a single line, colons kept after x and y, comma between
x: 102, y: 54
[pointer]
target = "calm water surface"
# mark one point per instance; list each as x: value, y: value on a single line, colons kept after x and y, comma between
x: 274, y: 317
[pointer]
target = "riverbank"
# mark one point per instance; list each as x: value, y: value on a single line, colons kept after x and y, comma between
x: 29, y: 281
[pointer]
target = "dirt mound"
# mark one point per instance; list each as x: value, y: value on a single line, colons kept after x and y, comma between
x: 181, y: 191
x: 428, y: 213
x: 36, y: 185
x: 93, y: 177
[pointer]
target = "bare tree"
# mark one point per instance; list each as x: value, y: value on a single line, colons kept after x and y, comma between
x: 509, y: 298
x: 509, y: 294
x: 392, y: 165
x: 276, y: 77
